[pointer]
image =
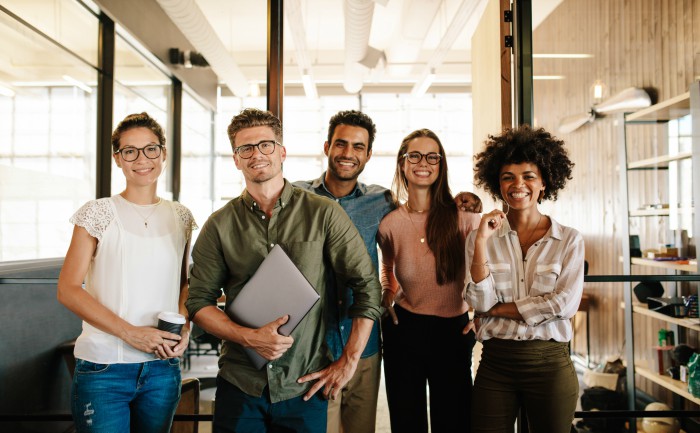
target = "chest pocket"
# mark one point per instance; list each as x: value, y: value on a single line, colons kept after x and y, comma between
x: 503, y: 280
x: 545, y: 279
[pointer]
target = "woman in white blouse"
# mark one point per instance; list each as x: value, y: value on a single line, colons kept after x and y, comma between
x: 525, y: 281
x: 131, y: 251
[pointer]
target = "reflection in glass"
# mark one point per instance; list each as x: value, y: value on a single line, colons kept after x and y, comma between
x: 139, y: 86
x: 47, y: 137
x: 197, y: 164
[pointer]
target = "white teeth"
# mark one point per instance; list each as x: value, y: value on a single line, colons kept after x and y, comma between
x: 346, y: 164
x: 519, y: 195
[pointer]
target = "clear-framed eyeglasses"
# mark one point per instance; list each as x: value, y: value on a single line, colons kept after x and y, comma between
x: 129, y: 153
x: 431, y: 158
x: 266, y: 147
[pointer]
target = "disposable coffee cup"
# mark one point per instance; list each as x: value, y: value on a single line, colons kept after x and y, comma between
x: 171, y: 322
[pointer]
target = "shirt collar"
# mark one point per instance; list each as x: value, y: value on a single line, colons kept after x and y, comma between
x: 554, y: 231
x: 282, y: 201
x: 359, y: 190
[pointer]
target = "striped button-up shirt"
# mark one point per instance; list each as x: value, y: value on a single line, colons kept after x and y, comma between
x: 546, y: 285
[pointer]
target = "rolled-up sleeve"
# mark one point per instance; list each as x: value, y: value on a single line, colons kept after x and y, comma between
x: 480, y: 296
x: 209, y: 270
x: 562, y: 302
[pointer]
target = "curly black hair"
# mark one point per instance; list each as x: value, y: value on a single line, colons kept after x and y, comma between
x: 518, y: 145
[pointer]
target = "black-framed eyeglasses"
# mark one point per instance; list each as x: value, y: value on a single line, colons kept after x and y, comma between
x: 431, y: 158
x: 266, y: 147
x: 129, y: 153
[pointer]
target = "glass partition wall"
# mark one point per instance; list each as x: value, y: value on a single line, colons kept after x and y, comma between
x: 47, y: 125
x: 48, y: 129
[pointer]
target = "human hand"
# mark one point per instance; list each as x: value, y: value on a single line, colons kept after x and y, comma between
x: 150, y: 339
x: 388, y: 303
x: 468, y: 202
x: 490, y: 223
x: 267, y: 341
x: 179, y: 349
x: 471, y: 326
x: 332, y: 378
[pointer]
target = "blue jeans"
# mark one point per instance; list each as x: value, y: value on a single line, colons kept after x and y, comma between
x: 237, y: 412
x: 123, y: 398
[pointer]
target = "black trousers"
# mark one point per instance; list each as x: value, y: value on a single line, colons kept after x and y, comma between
x: 428, y: 350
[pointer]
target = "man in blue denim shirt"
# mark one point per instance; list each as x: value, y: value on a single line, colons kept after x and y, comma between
x: 349, y: 147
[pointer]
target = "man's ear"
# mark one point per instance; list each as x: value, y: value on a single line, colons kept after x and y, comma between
x: 283, y: 153
x: 236, y: 161
x: 326, y: 147
x: 369, y: 155
x: 116, y: 160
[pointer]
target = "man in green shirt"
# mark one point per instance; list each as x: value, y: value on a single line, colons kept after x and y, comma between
x: 323, y: 242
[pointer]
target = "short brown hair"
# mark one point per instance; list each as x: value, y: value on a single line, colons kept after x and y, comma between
x: 251, y: 117
x: 137, y: 120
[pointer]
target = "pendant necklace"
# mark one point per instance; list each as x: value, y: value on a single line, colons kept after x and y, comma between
x: 145, y: 219
x: 532, y: 232
x: 422, y: 239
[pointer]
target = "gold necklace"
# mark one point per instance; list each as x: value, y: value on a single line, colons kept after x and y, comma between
x: 145, y: 219
x: 532, y: 232
x: 413, y: 210
x: 422, y: 239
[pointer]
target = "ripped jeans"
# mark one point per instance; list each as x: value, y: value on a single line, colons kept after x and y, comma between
x: 123, y: 398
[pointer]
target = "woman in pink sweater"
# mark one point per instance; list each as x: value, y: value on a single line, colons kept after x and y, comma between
x: 426, y: 329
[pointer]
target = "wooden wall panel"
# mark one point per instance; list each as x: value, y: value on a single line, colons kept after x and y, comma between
x: 641, y: 43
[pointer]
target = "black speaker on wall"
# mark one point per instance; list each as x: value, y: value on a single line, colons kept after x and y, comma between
x: 635, y: 250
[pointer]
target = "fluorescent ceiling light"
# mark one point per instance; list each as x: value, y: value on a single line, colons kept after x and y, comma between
x: 309, y: 87
x: 548, y: 77
x: 77, y: 83
x: 562, y: 56
x: 254, y: 90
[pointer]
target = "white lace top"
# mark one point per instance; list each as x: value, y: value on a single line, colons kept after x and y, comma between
x: 135, y: 271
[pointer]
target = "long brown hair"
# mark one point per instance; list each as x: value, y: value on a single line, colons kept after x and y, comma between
x: 442, y: 227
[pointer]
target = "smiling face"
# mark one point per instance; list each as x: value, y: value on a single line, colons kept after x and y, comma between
x: 348, y: 152
x: 259, y: 168
x: 521, y: 185
x: 421, y: 174
x: 142, y: 171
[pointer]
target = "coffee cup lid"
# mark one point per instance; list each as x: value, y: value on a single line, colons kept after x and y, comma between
x: 171, y: 317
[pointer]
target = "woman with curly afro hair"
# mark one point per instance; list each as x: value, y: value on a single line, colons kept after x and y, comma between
x: 524, y: 280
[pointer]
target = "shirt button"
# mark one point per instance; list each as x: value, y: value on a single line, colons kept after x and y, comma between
x: 521, y: 280
x: 272, y: 245
x: 263, y: 217
x: 340, y: 302
x: 269, y: 366
x: 342, y: 328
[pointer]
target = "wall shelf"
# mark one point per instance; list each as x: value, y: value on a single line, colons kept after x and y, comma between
x: 646, y: 135
x: 667, y: 382
x: 642, y: 309
x: 664, y: 265
x: 657, y: 161
x: 664, y: 111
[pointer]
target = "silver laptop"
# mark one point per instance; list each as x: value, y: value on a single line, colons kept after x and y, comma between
x: 277, y: 288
